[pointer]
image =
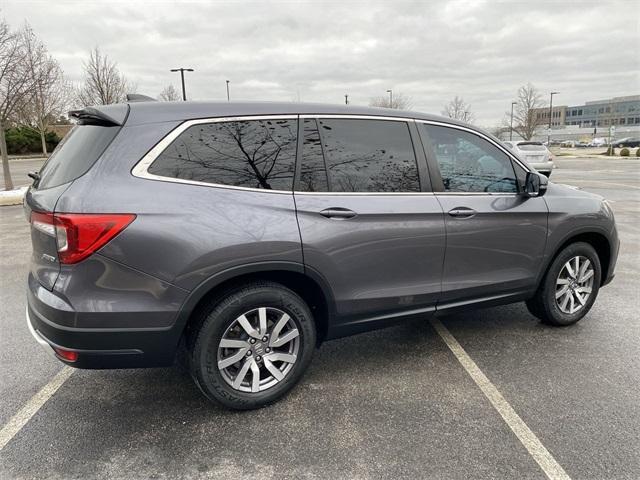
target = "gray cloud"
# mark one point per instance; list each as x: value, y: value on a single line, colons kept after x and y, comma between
x: 430, y: 51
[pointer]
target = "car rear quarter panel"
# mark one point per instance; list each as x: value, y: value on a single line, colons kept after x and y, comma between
x: 183, y: 234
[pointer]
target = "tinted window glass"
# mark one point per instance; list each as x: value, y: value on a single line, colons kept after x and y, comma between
x: 254, y: 153
x: 75, y: 155
x: 369, y: 156
x: 469, y: 163
x: 313, y: 174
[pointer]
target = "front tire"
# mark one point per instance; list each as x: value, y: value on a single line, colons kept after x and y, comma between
x: 569, y: 288
x: 253, y: 346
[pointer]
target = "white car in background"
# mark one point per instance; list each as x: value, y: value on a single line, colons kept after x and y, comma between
x: 534, y: 153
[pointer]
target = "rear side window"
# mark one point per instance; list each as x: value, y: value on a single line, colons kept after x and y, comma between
x: 252, y: 153
x: 75, y: 155
x: 360, y: 156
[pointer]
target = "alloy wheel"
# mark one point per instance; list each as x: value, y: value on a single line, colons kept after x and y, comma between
x: 263, y: 340
x: 574, y: 284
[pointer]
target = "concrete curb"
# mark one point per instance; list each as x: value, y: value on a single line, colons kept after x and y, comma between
x: 12, y: 197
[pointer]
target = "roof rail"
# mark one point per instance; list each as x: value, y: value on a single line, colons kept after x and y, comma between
x: 137, y: 97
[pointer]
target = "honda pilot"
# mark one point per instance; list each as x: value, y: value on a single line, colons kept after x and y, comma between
x: 239, y: 236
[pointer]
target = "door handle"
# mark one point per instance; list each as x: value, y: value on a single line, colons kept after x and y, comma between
x: 462, y: 212
x: 338, y: 213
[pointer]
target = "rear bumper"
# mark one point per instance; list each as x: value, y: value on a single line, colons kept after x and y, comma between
x: 111, y: 349
x: 103, y: 336
x: 545, y: 167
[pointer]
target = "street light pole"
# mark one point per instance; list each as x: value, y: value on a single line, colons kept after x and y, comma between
x: 346, y: 99
x: 511, y: 123
x: 550, y: 113
x: 390, y: 92
x: 182, y: 70
x: 228, y: 91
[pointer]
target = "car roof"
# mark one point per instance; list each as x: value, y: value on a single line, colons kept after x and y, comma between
x: 153, y: 112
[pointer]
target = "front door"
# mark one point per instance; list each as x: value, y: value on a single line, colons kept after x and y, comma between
x: 366, y: 223
x: 495, y: 236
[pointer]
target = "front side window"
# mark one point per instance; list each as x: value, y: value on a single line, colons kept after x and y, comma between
x: 469, y: 163
x: 251, y: 153
x: 368, y: 155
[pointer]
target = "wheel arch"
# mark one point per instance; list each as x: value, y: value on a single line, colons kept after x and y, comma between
x: 597, y: 239
x: 307, y: 283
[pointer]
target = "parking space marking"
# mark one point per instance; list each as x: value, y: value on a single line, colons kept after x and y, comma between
x: 20, y: 419
x: 534, y: 446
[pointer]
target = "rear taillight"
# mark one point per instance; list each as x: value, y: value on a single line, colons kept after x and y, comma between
x: 78, y: 235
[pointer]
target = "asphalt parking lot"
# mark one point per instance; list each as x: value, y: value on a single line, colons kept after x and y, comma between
x: 394, y: 403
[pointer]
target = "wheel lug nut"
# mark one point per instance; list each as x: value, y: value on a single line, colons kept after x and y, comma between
x: 252, y: 341
x: 264, y: 339
x: 258, y: 358
x: 267, y: 349
x: 249, y: 353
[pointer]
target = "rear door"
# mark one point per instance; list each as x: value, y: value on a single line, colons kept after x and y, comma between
x: 495, y: 236
x: 369, y: 223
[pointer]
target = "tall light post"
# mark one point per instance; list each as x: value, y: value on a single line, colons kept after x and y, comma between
x: 228, y: 98
x: 346, y: 99
x: 511, y: 122
x: 550, y: 113
x: 182, y: 70
x: 390, y: 92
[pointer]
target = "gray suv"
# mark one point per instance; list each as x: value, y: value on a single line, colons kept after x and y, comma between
x: 238, y: 236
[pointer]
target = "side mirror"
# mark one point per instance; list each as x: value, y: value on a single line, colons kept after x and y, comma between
x: 535, y: 185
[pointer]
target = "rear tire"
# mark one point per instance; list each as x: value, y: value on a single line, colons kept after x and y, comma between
x: 253, y: 346
x: 569, y: 288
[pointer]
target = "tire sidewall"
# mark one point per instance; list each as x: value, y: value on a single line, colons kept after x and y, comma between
x: 581, y: 249
x: 205, y: 353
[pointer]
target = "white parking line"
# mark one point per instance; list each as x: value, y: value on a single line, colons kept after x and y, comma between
x: 534, y: 446
x: 20, y: 419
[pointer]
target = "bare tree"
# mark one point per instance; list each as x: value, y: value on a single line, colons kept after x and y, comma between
x: 458, y: 110
x: 525, y: 114
x: 499, y: 130
x: 169, y: 94
x: 49, y: 92
x: 400, y: 102
x: 103, y: 82
x: 15, y: 85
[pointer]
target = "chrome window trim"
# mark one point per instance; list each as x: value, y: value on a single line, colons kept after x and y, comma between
x: 356, y: 117
x: 141, y: 169
x: 370, y: 194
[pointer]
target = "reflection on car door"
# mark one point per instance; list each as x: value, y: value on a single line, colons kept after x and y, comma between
x: 365, y: 221
x: 495, y: 236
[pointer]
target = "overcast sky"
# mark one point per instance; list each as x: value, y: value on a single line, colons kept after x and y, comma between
x: 317, y: 52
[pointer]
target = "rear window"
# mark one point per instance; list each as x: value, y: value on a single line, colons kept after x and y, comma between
x: 75, y: 154
x: 532, y: 147
x: 250, y: 154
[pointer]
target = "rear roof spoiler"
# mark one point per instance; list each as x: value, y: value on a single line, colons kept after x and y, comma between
x: 138, y: 97
x: 105, y: 115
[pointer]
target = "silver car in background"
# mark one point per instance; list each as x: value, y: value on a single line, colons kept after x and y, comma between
x: 535, y: 154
